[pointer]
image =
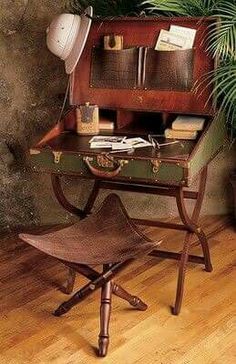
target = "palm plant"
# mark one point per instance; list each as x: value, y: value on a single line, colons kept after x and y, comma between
x: 222, y: 46
x: 106, y: 8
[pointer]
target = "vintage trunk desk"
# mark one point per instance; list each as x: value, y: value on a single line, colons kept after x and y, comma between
x: 142, y: 91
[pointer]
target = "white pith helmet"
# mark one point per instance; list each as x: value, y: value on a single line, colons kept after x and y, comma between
x: 67, y: 35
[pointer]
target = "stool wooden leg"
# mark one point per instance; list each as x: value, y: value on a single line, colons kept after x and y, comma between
x: 90, y: 287
x: 117, y: 290
x: 70, y: 281
x: 105, y: 313
x: 133, y: 300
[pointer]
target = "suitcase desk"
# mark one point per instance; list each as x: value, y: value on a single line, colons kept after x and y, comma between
x: 142, y: 91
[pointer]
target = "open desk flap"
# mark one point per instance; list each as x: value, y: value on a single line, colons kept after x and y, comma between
x: 126, y: 80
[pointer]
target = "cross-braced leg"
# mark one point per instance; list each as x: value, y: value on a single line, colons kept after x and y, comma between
x: 117, y: 290
x: 133, y: 300
x: 90, y: 288
x: 193, y: 228
x: 105, y: 313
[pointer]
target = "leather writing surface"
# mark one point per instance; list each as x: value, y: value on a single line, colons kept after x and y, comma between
x: 168, y: 70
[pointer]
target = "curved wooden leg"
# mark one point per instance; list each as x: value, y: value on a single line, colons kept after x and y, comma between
x: 193, y: 228
x: 92, y: 197
x: 181, y: 275
x: 105, y: 313
x: 205, y: 250
x: 57, y: 189
x: 191, y: 223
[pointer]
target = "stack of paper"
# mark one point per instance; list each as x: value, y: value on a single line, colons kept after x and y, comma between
x: 119, y: 143
x: 106, y: 125
x: 176, y: 38
x: 185, y: 127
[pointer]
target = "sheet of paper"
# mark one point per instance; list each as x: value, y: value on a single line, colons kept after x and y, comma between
x: 137, y: 142
x: 100, y: 145
x: 188, y: 33
x: 120, y: 146
x: 168, y: 41
x: 107, y: 139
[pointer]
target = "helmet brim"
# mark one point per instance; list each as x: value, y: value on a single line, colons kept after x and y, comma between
x: 72, y: 60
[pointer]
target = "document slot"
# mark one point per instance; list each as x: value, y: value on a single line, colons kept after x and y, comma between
x: 118, y: 69
x: 168, y: 70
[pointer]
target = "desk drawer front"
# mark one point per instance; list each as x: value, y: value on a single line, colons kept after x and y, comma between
x: 130, y: 169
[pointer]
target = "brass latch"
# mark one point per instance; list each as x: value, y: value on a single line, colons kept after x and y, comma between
x: 156, y: 165
x: 107, y: 161
x: 57, y: 157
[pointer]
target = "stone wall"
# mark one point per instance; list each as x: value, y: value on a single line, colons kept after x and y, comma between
x: 31, y: 81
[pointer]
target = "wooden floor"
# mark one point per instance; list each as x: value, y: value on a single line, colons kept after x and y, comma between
x: 204, y: 333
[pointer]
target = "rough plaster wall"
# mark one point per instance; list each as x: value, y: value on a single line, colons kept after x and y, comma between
x: 30, y: 81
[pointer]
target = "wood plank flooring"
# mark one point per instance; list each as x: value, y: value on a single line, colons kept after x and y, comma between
x: 204, y: 333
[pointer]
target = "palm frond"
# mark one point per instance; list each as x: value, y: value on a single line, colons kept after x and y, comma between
x: 193, y: 8
x: 106, y: 8
x: 223, y: 83
x: 222, y: 40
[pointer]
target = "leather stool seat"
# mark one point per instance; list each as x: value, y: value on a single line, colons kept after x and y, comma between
x: 108, y: 238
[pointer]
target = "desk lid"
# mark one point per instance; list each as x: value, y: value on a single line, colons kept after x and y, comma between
x: 142, y: 34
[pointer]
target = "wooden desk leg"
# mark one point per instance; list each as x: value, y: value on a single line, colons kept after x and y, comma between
x: 191, y: 225
x: 57, y: 189
x: 92, y: 197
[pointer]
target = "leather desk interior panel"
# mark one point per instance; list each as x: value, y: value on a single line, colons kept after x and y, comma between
x: 72, y: 143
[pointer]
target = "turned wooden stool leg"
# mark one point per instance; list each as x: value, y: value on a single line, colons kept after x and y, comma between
x: 133, y: 300
x: 70, y: 282
x: 105, y: 313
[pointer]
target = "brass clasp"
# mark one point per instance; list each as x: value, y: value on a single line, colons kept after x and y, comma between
x: 57, y: 157
x: 156, y: 165
x: 105, y: 162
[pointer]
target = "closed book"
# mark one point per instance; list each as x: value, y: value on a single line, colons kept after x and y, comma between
x: 188, y: 123
x: 180, y: 134
x: 106, y: 125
